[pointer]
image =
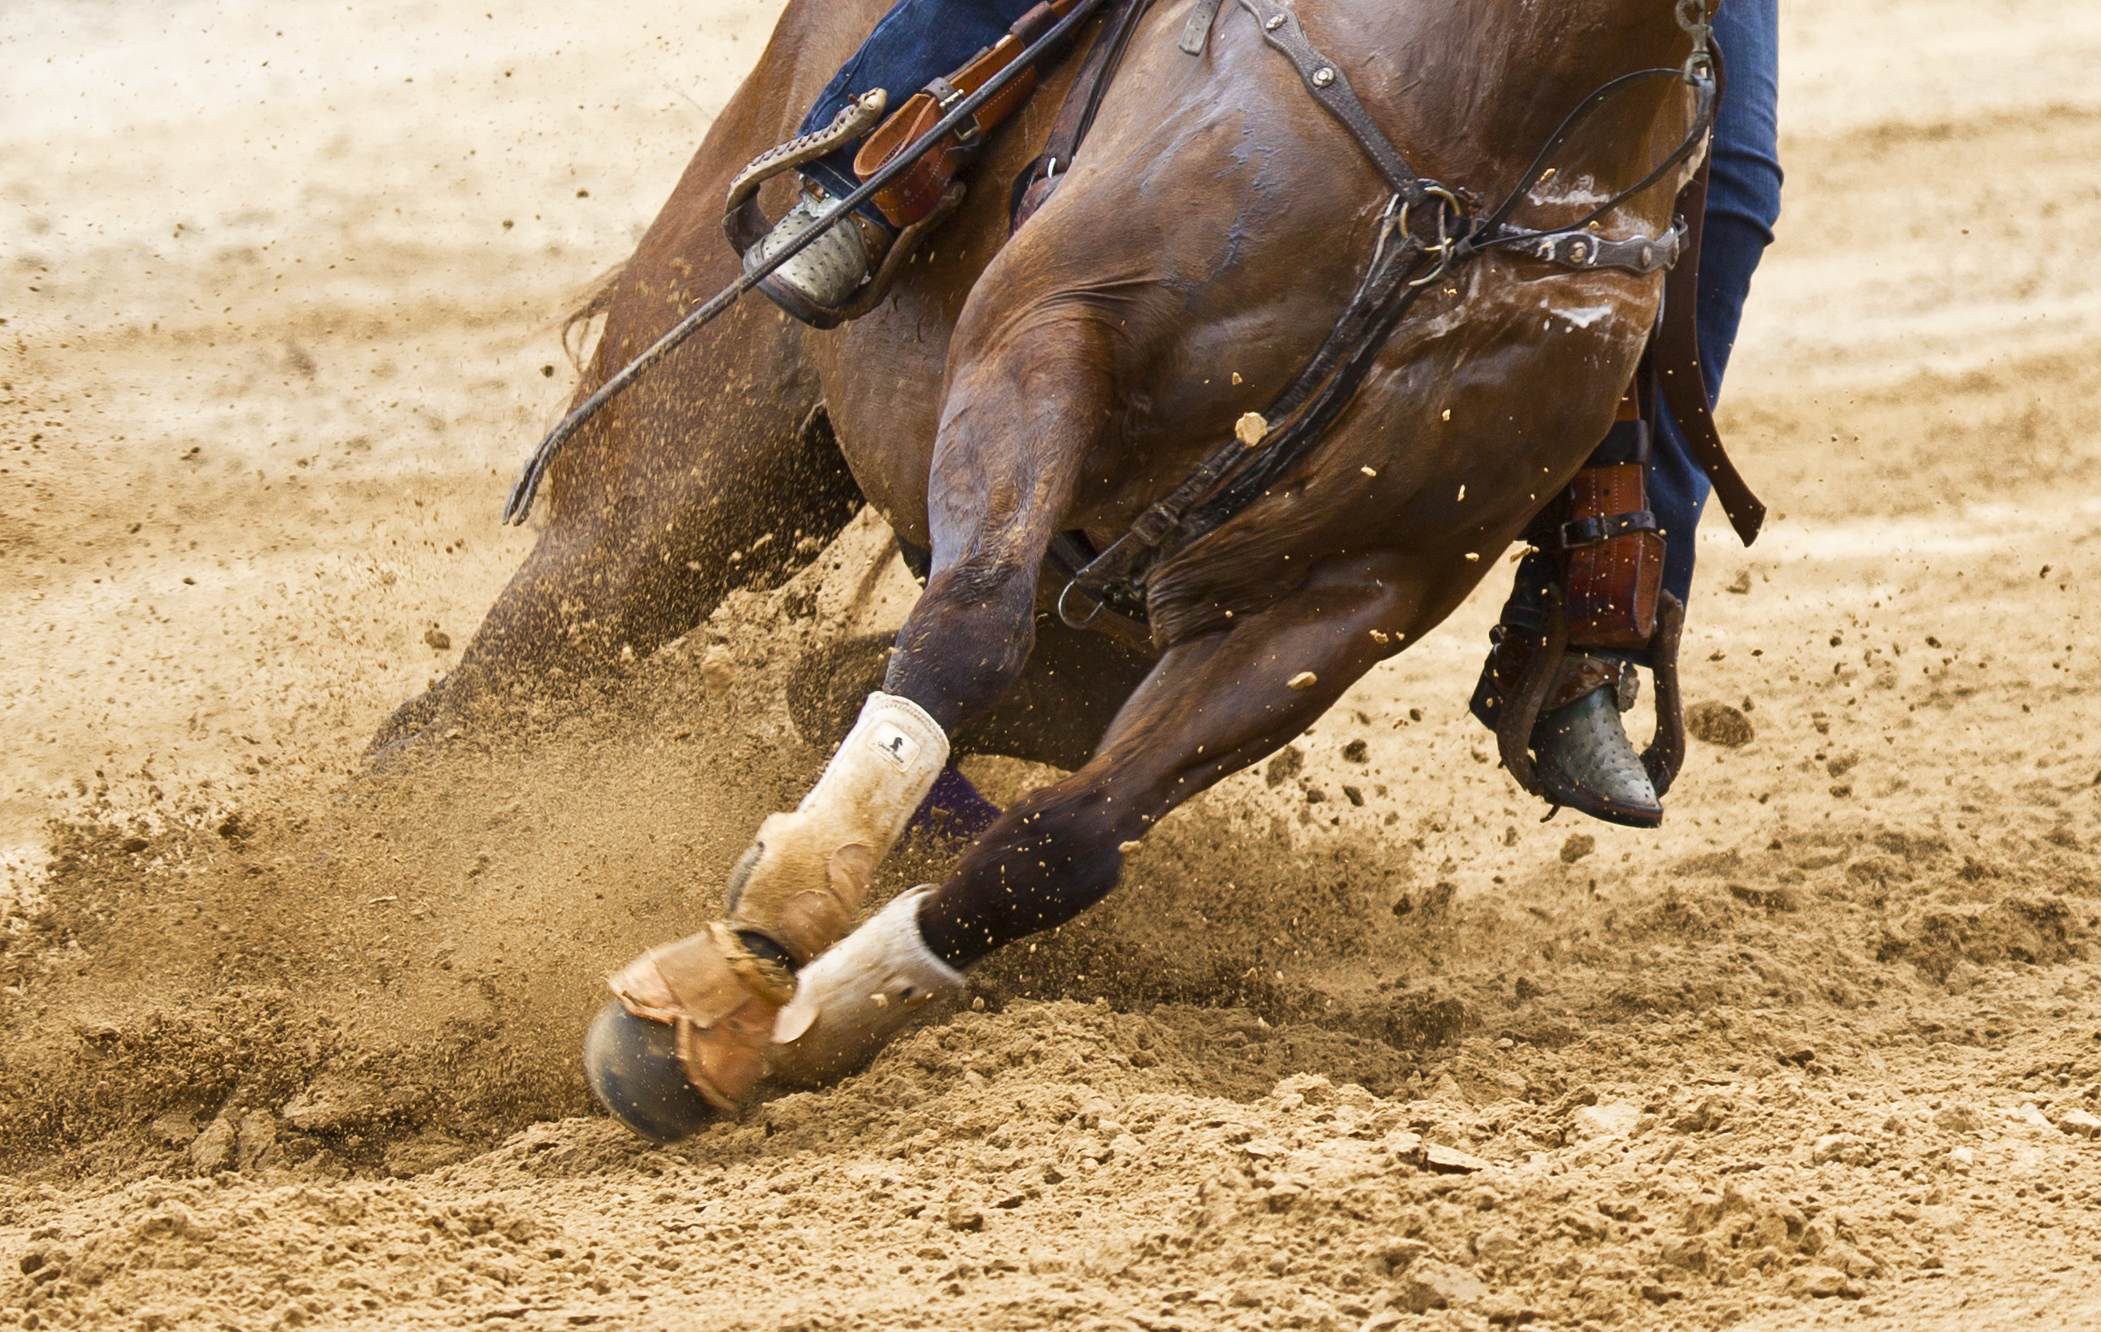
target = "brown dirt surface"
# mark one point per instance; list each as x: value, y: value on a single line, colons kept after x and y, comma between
x: 1360, y: 1043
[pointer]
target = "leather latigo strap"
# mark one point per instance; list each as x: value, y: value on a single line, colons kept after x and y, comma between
x: 1197, y: 30
x: 915, y: 195
x: 1033, y: 188
x: 1674, y: 357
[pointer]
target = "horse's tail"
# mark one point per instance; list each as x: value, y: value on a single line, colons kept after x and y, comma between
x: 598, y: 297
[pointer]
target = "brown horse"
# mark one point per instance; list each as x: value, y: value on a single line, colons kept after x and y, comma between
x: 1201, y: 247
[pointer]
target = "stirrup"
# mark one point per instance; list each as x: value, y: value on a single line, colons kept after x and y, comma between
x: 742, y: 220
x: 846, y: 272
x: 1519, y: 720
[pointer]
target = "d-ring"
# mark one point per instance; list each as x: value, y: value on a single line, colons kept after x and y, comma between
x: 1448, y: 206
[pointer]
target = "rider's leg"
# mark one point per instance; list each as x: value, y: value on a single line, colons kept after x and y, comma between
x: 915, y: 43
x: 1583, y: 738
x: 1213, y: 705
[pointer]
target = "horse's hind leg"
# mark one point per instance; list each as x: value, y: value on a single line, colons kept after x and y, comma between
x: 717, y: 470
x: 648, y: 551
x: 1213, y: 705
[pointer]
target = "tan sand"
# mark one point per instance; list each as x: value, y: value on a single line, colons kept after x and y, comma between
x: 287, y: 1046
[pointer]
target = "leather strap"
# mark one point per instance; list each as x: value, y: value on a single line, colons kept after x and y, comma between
x: 1588, y: 250
x: 1331, y: 88
x: 917, y: 194
x: 1197, y: 31
x: 1590, y: 531
x: 1674, y: 355
x: 1039, y: 179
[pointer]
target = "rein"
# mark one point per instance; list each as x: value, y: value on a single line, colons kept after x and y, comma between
x: 1403, y: 265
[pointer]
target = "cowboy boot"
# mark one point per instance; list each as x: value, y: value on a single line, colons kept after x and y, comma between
x: 823, y: 284
x: 1581, y: 754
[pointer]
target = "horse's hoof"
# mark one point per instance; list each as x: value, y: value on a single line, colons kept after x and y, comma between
x: 635, y: 1073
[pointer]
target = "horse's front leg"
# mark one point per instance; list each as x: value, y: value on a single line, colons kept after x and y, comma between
x: 1213, y: 705
x: 694, y: 1021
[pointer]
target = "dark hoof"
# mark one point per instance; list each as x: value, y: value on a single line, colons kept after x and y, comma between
x: 635, y: 1074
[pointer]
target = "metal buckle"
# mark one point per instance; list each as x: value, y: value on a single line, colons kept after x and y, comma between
x: 1693, y: 18
x: 964, y: 132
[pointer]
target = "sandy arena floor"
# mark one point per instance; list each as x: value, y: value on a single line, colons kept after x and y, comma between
x: 290, y: 1046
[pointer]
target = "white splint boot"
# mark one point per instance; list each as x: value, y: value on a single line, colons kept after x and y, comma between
x: 855, y: 999
x: 806, y: 875
x: 714, y: 1001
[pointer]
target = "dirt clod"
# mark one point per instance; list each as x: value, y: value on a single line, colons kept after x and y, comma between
x: 1718, y: 724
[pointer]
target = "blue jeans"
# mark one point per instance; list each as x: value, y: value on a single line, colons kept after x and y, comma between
x: 1743, y: 202
x: 916, y: 42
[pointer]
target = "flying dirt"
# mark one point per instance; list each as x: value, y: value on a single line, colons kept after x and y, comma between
x: 292, y: 1040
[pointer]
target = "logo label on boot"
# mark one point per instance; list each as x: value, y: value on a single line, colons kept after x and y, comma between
x: 894, y: 745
